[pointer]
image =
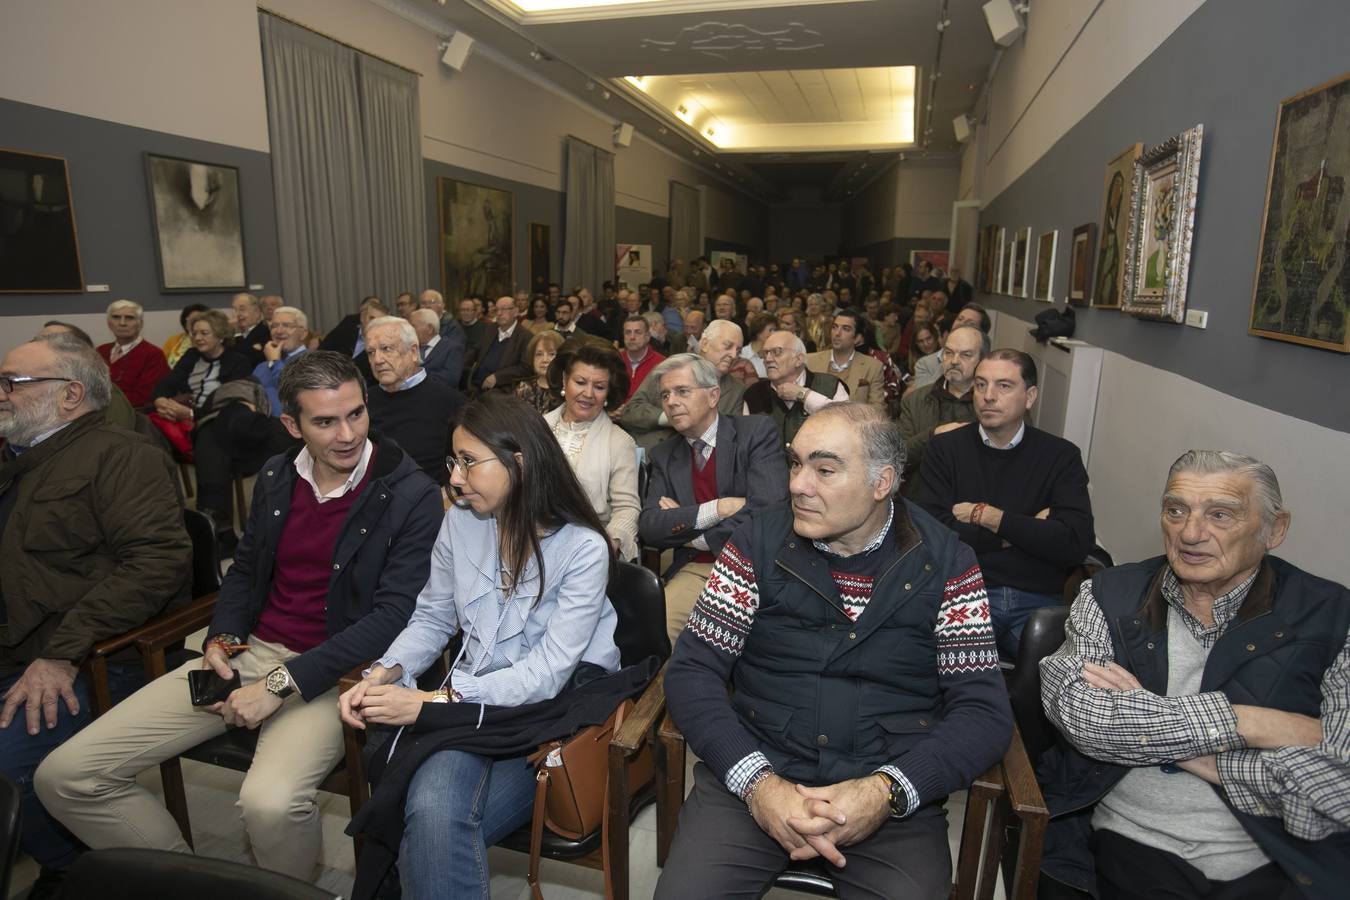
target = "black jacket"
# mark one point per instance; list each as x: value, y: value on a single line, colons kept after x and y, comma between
x: 380, y: 563
x: 251, y: 344
x: 233, y: 366
x: 342, y: 339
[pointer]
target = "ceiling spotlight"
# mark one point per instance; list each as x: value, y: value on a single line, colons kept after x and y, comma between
x: 944, y: 25
x: 536, y: 54
x: 604, y: 94
x: 682, y: 109
x: 697, y: 153
x: 590, y: 85
x: 661, y: 130
x: 710, y: 132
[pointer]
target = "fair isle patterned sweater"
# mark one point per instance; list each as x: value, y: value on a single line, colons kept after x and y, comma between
x: 973, y: 692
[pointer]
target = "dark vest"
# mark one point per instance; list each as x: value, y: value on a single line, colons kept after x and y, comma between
x: 1289, y: 631
x: 762, y: 400
x: 829, y: 699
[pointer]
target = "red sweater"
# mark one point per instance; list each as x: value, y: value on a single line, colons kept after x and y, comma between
x: 705, y: 489
x: 296, y: 613
x: 137, y: 372
x: 635, y: 377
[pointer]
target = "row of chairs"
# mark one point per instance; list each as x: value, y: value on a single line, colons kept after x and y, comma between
x: 1003, y: 801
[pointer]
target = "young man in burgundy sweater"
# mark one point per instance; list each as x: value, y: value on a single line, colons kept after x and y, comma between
x: 335, y: 551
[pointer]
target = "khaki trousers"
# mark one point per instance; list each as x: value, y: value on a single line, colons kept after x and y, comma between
x: 89, y: 782
x: 682, y: 592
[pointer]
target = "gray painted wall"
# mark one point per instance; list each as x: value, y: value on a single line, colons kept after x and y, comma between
x: 896, y: 250
x: 112, y: 207
x: 1228, y: 66
x: 809, y: 230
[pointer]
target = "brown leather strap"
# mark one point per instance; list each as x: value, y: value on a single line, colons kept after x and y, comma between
x: 537, y: 832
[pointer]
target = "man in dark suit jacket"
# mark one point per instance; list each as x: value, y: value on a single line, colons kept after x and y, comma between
x: 347, y: 336
x: 704, y: 481
x: 251, y: 332
x: 501, y: 358
x: 440, y: 348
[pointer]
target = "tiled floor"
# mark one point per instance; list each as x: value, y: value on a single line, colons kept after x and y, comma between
x: 219, y: 833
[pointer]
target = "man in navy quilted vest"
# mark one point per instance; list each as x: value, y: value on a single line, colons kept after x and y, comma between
x: 853, y: 629
x: 1205, y: 695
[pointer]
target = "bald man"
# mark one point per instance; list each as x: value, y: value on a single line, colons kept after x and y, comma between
x: 501, y: 361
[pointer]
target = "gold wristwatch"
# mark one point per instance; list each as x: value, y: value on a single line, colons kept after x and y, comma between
x: 278, y: 682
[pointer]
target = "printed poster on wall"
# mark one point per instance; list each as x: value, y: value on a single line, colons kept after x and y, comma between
x: 632, y: 265
x: 938, y: 259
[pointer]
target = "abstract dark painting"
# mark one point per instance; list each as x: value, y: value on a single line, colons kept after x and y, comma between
x: 39, y: 250
x: 199, y: 226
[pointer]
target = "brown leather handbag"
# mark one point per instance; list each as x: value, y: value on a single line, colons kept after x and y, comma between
x: 571, y: 794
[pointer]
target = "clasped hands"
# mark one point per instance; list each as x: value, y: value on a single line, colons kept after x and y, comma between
x: 726, y: 506
x: 246, y: 707
x: 376, y: 698
x: 809, y: 822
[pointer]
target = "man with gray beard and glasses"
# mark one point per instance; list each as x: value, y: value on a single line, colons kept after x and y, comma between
x: 91, y: 545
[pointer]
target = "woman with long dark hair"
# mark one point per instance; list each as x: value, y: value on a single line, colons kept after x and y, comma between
x: 519, y: 569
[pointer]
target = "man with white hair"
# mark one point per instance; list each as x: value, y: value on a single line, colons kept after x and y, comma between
x: 441, y: 355
x: 1205, y: 698
x: 417, y: 411
x: 252, y: 331
x: 643, y: 415
x: 89, y: 560
x: 136, y: 365
x: 270, y: 303
x: 287, y: 342
x: 790, y: 392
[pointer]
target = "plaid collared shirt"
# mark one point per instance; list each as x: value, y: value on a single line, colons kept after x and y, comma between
x: 1307, y: 787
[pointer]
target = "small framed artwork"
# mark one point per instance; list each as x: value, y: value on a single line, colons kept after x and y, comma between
x: 39, y: 249
x: 1010, y: 271
x: 1300, y: 293
x: 1045, y: 266
x: 1021, y: 262
x: 1115, y: 230
x: 199, y: 225
x: 1162, y: 225
x: 999, y: 251
x: 539, y: 257
x: 1080, y: 263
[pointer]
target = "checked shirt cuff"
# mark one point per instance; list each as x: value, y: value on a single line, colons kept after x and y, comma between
x: 740, y: 775
x: 911, y: 795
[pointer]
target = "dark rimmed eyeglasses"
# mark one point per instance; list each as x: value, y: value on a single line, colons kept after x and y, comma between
x: 8, y: 382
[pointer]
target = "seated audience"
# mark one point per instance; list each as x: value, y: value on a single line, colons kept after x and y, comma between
x: 601, y: 454
x: 186, y: 390
x: 924, y: 342
x: 323, y: 581
x: 501, y: 360
x: 929, y: 369
x: 270, y: 303
x: 521, y: 516
x: 663, y: 340
x: 251, y: 331
x: 790, y: 391
x: 948, y: 402
x: 80, y: 565
x: 852, y: 630
x: 348, y: 336
x: 717, y: 469
x: 790, y: 319
x: 404, y: 304
x: 563, y: 321
x: 758, y: 326
x: 289, y: 326
x: 921, y: 315
x: 136, y: 365
x: 539, y: 318
x: 442, y: 353
x: 416, y: 410
x: 1017, y: 495
x: 118, y: 411
x: 638, y: 354
x: 1203, y: 695
x: 694, y: 323
x: 644, y: 415
x: 848, y: 361
x: 180, y: 343
x: 537, y: 390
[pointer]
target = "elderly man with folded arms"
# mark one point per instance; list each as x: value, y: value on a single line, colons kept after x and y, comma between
x: 790, y: 392
x: 1205, y: 696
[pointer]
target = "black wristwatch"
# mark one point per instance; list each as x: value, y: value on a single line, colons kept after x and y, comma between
x: 899, y: 801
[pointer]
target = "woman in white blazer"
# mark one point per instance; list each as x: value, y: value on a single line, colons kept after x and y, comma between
x: 603, y: 456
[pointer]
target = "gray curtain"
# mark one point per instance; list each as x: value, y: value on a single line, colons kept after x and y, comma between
x: 392, y: 128
x: 346, y: 172
x: 588, y: 238
x: 686, y: 223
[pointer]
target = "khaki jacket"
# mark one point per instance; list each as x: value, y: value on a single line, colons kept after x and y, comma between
x: 865, y: 380
x: 94, y: 544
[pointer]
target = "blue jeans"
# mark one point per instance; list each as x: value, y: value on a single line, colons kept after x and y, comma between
x: 458, y: 805
x: 1010, y: 608
x: 44, y: 838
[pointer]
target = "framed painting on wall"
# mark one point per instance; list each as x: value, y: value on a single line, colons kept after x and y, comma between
x: 1045, y: 266
x: 1162, y: 225
x: 1080, y: 263
x: 999, y: 251
x: 477, y: 228
x: 197, y: 214
x: 1115, y: 228
x: 1021, y: 262
x: 1303, y: 263
x: 938, y: 259
x: 39, y: 248
x: 539, y: 257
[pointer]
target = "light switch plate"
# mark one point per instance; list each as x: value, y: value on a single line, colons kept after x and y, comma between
x: 1197, y: 318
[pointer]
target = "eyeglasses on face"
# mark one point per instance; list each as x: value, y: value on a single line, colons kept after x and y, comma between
x: 682, y: 393
x: 467, y: 465
x: 8, y: 382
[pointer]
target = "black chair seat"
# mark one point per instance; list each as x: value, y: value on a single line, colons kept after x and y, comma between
x: 809, y: 877
x: 555, y: 846
x: 126, y: 874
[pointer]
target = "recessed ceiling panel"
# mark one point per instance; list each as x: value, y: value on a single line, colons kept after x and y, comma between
x: 799, y: 109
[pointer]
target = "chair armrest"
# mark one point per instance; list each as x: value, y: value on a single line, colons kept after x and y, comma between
x: 162, y: 631
x: 1024, y: 793
x: 633, y: 734
x: 154, y: 626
